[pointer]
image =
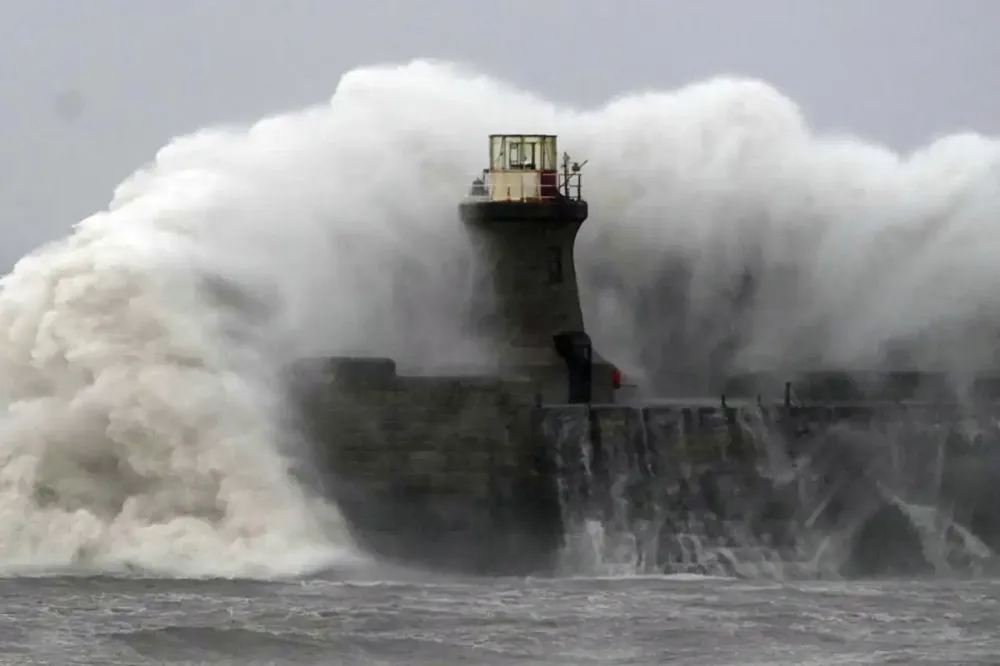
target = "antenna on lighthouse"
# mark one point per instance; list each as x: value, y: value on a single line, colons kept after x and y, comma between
x: 570, y: 169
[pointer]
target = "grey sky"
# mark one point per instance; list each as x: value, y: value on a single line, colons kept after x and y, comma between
x: 90, y: 89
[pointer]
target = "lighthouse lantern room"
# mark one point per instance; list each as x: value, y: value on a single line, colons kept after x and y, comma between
x: 522, y: 167
x: 527, y: 179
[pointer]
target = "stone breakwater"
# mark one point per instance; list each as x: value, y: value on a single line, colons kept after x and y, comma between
x: 471, y: 473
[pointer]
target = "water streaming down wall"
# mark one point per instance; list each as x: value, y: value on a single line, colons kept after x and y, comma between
x: 660, y: 488
x: 768, y: 492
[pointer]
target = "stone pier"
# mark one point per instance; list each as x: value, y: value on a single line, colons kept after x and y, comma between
x: 444, y: 472
x: 471, y: 474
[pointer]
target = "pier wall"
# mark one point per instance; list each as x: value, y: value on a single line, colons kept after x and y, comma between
x: 442, y: 471
x: 471, y: 474
x: 748, y: 476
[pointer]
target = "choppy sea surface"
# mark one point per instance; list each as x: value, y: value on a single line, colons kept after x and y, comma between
x: 417, y: 620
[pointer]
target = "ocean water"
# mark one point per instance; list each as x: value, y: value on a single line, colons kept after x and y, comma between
x: 402, y: 620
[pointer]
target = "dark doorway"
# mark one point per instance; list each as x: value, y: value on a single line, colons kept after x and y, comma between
x: 575, y: 349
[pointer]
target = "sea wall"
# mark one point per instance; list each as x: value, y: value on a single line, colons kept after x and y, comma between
x: 471, y: 474
x: 442, y: 471
x: 647, y: 475
x: 746, y: 481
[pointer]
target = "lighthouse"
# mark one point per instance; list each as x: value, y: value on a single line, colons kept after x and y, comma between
x: 523, y: 215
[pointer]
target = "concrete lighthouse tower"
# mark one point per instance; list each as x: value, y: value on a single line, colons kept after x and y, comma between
x: 523, y: 215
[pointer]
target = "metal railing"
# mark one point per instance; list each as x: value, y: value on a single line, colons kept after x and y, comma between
x: 570, y: 185
x: 526, y: 186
